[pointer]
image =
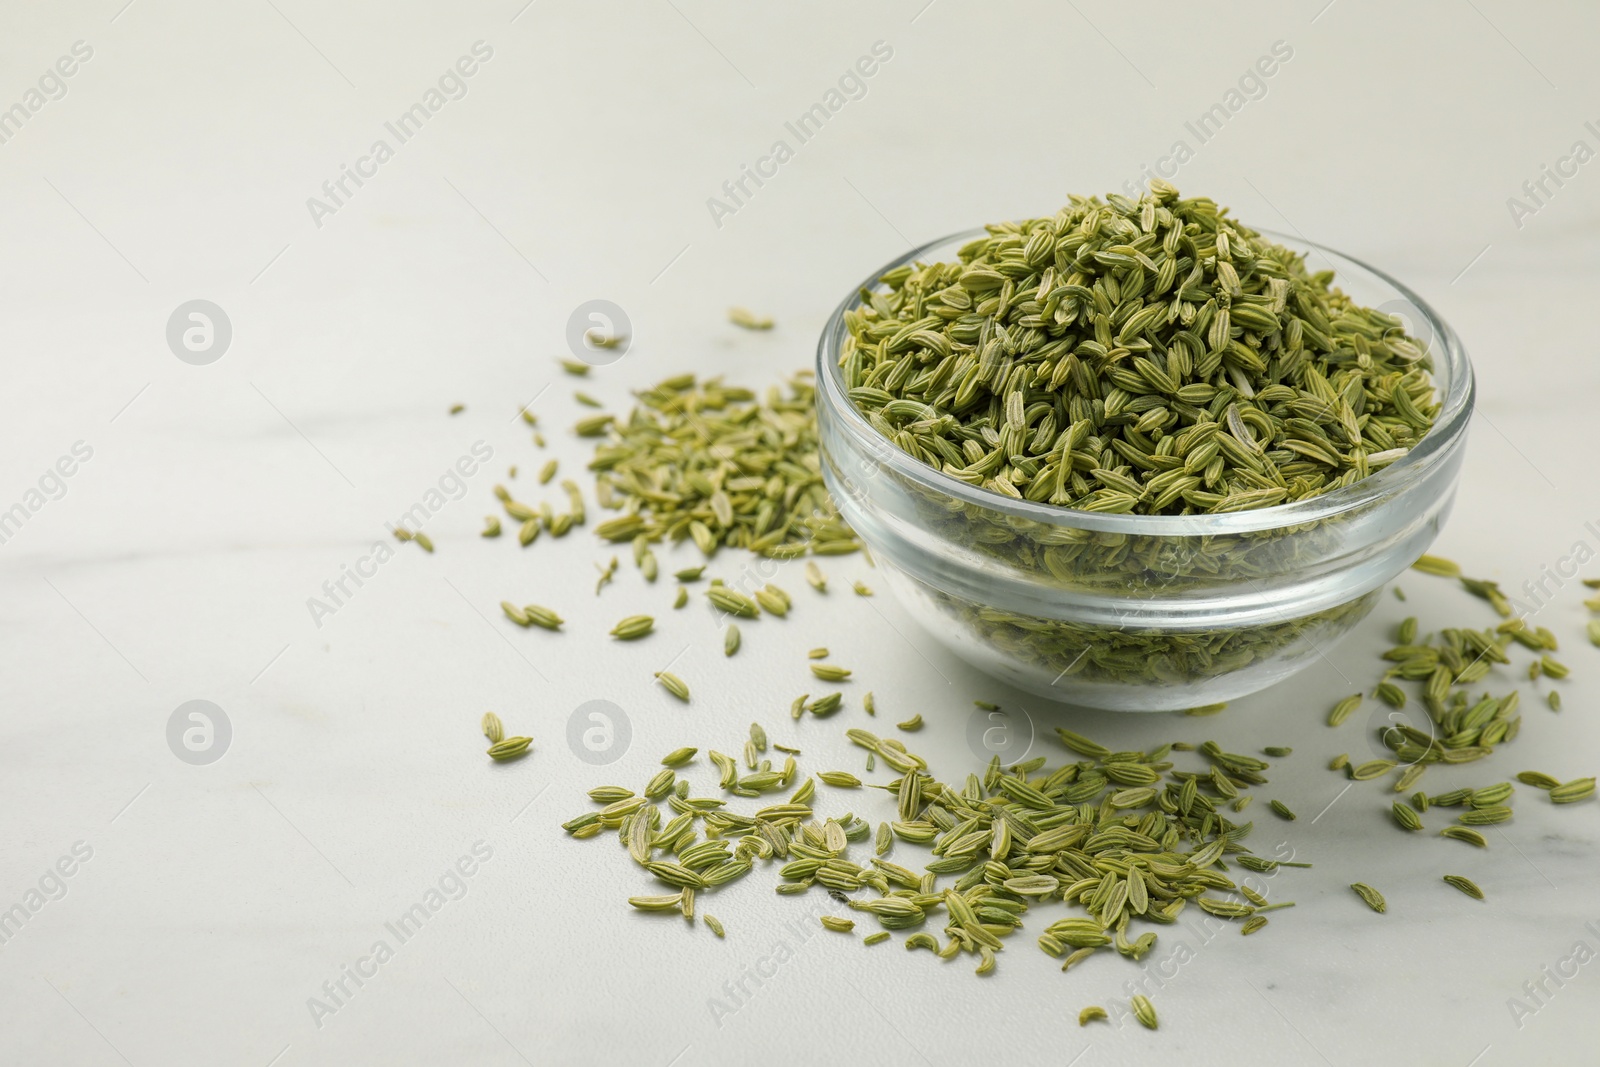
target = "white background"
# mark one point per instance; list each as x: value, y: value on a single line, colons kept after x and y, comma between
x: 219, y: 498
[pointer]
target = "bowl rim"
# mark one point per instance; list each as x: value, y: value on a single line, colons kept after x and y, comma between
x: 1441, y: 440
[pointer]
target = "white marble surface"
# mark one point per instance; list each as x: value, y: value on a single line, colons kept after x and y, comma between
x: 177, y: 565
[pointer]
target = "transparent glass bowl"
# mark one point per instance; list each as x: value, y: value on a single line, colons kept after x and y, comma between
x: 1143, y: 612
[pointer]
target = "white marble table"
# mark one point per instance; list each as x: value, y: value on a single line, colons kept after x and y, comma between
x: 574, y: 154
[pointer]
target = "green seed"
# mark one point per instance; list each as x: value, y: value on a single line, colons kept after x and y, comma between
x: 875, y: 939
x: 679, y: 756
x: 1341, y: 711
x: 1405, y: 817
x: 748, y: 319
x: 815, y: 578
x: 1277, y: 752
x: 543, y: 617
x: 730, y: 640
x: 688, y: 574
x: 1090, y: 1014
x: 911, y: 725
x: 633, y: 627
x: 1553, y: 699
x: 825, y: 705
x: 1282, y: 810
x: 492, y: 728
x: 841, y: 925
x: 681, y: 599
x: 491, y: 527
x: 839, y: 779
x: 733, y: 602
x: 868, y: 704
x: 861, y: 588
x: 1466, y: 885
x: 514, y: 613
x: 510, y: 748
x: 1573, y: 791
x: 426, y: 544
x: 1373, y: 898
x: 1437, y: 565
x: 547, y: 472
x: 1143, y: 1010
x: 829, y: 673
x: 817, y: 653
x: 665, y: 903
x: 1463, y: 833
x: 1252, y: 924
x: 674, y: 685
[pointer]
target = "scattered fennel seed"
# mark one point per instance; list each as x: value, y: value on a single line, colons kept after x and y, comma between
x: 1143, y: 1010
x: 1282, y: 810
x: 876, y: 939
x: 674, y: 685
x: 510, y: 748
x: 1573, y: 791
x: 681, y: 599
x: 678, y: 757
x: 841, y: 925
x: 1373, y: 898
x: 715, y: 926
x: 861, y: 588
x: 1277, y: 752
x: 492, y: 728
x: 575, y: 367
x: 633, y: 627
x: 730, y: 640
x: 1438, y: 566
x: 1466, y: 885
x: 1465, y: 833
x: 748, y: 319
x: 815, y: 578
x: 426, y: 543
x: 830, y: 673
x: 912, y: 724
x: 817, y: 653
x: 1342, y: 710
x: 1090, y: 1014
x: 548, y: 471
x: 456, y: 409
x: 491, y: 526
x: 541, y: 616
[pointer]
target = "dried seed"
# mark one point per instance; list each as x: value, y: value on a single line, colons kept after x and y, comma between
x: 815, y: 578
x: 1282, y: 810
x: 861, y: 588
x: 1405, y: 817
x: 1437, y: 565
x: 875, y: 939
x: 911, y: 725
x: 1573, y: 791
x: 633, y: 627
x: 839, y: 779
x: 510, y: 748
x: 829, y: 673
x: 679, y: 756
x: 1341, y: 711
x: 491, y: 527
x: 492, y: 728
x: 1466, y: 885
x: 817, y: 653
x: 674, y: 685
x: 730, y: 640
x: 1090, y: 1014
x: 542, y: 617
x: 1252, y: 924
x: 748, y: 319
x: 1143, y: 1010
x: 1373, y: 898
x: 1463, y: 833
x: 841, y: 925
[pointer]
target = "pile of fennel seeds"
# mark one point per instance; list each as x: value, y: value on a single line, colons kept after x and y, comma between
x: 1123, y: 836
x: 714, y: 464
x: 1148, y: 356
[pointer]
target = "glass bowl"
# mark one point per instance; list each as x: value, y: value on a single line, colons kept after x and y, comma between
x: 1143, y: 612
